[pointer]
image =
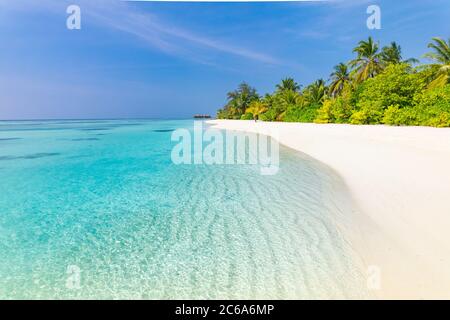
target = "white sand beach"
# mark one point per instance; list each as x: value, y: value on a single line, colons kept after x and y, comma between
x: 399, y: 179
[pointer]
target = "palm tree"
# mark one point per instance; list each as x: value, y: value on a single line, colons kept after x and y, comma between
x: 256, y: 108
x: 339, y: 78
x: 441, y: 59
x: 288, y: 97
x: 240, y: 99
x: 368, y: 62
x: 392, y: 54
x: 288, y: 84
x: 316, y: 92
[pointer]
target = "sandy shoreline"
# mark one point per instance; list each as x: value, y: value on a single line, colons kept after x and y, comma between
x: 399, y: 178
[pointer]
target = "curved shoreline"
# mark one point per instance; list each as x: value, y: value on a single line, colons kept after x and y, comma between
x: 399, y: 177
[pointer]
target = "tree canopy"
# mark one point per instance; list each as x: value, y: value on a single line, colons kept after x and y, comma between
x: 378, y: 86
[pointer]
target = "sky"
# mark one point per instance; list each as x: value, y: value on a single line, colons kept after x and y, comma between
x: 175, y: 59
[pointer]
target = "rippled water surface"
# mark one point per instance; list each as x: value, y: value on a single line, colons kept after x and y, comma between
x: 104, y: 198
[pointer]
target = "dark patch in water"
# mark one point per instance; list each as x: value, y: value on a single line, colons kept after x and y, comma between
x: 94, y: 129
x: 86, y: 139
x: 110, y: 126
x: 78, y: 156
x: 131, y: 124
x: 30, y: 156
x: 163, y: 130
x: 77, y: 122
x: 9, y: 139
x: 33, y: 129
x: 69, y: 125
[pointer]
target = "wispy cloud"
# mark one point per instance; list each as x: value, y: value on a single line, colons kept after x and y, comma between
x: 167, y: 37
x: 149, y: 28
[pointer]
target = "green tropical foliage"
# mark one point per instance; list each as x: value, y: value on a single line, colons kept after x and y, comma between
x: 338, y: 109
x: 368, y: 62
x: 376, y: 87
x: 430, y: 108
x: 288, y: 84
x: 256, y: 108
x: 315, y: 93
x: 396, y: 86
x: 238, y: 102
x: 392, y: 54
x: 339, y: 78
x: 441, y: 62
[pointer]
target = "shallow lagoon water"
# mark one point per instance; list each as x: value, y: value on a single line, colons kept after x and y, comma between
x: 104, y: 198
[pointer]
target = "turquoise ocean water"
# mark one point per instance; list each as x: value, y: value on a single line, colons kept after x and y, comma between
x: 102, y: 203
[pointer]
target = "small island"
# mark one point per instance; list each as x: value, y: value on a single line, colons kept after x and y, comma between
x: 202, y: 116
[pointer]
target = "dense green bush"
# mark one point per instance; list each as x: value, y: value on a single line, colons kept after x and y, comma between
x: 396, y: 86
x: 325, y: 113
x: 270, y: 115
x: 299, y: 113
x: 360, y: 117
x: 398, y: 117
x: 247, y: 116
x: 433, y: 107
x: 339, y: 109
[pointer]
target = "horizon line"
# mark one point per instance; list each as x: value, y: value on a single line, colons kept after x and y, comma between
x: 219, y: 1
x: 85, y: 119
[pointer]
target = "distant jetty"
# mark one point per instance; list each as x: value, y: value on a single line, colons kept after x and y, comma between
x: 202, y: 116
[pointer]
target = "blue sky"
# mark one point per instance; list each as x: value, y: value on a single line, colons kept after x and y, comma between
x: 171, y: 60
